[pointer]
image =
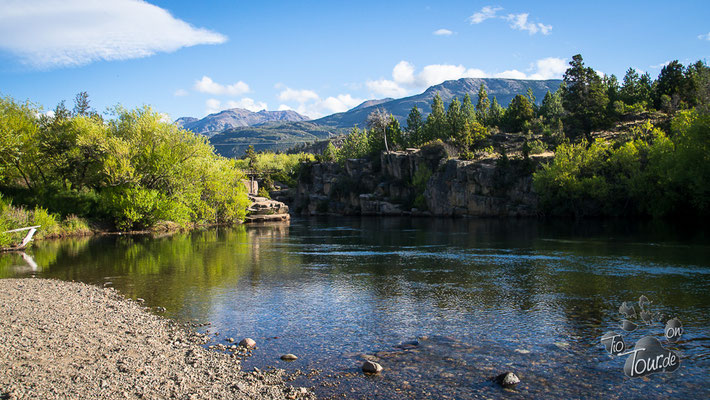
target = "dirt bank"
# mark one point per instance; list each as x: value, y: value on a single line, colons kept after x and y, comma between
x: 63, y: 340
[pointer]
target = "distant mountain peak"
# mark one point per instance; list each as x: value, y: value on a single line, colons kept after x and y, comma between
x: 236, y: 117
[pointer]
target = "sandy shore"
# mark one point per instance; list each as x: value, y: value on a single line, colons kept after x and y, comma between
x: 62, y: 340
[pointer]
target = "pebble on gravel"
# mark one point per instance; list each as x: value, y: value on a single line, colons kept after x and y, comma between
x: 507, y: 379
x: 371, y: 367
x: 96, y: 344
x: 249, y: 343
x: 289, y: 357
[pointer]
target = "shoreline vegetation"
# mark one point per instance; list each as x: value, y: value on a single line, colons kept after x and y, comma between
x: 635, y: 148
x: 73, y: 340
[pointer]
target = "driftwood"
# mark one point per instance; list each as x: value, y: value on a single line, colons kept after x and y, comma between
x: 28, y: 238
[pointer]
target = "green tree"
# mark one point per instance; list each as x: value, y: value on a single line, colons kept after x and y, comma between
x: 483, y: 105
x: 533, y: 101
x: 519, y: 113
x: 669, y: 83
x: 496, y: 114
x: 435, y: 126
x: 551, y: 109
x: 630, y: 88
x: 454, y: 120
x: 467, y: 109
x: 394, y: 132
x: 81, y: 105
x: 584, y: 98
x: 415, y: 127
x: 250, y: 155
x: 355, y: 145
x: 330, y: 153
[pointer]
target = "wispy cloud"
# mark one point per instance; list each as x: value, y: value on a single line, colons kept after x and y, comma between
x: 207, y: 85
x: 521, y: 23
x: 180, y: 93
x: 486, y: 12
x: 214, y: 105
x: 661, y: 65
x: 308, y: 102
x: 517, y: 21
x: 443, y: 32
x: 405, y: 78
x: 49, y: 33
x: 704, y: 37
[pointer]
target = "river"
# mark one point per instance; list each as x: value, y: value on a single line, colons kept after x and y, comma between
x: 473, y: 298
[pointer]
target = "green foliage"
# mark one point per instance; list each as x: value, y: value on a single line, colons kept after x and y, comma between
x: 421, y: 177
x: 330, y: 153
x: 395, y: 134
x: 584, y: 98
x: 483, y: 105
x: 133, y: 170
x: 435, y: 127
x: 415, y: 128
x: 263, y: 193
x: 355, y: 145
x: 496, y: 114
x: 649, y: 175
x: 520, y: 112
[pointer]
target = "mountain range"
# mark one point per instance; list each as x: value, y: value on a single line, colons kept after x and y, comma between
x: 232, y: 131
x: 236, y: 117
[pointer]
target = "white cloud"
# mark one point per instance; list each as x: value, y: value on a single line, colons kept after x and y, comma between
x: 520, y: 22
x: 300, y: 96
x: 659, y: 66
x: 405, y: 79
x: 213, y: 106
x: 247, y: 104
x: 511, y: 74
x: 517, y: 21
x: 340, y: 103
x: 486, y: 12
x: 443, y: 32
x: 704, y: 37
x: 386, y: 88
x: 48, y: 33
x: 180, y: 93
x: 309, y: 103
x: 549, y: 68
x: 207, y: 85
x: 437, y: 73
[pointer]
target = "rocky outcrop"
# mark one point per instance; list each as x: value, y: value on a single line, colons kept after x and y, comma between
x: 419, y: 182
x: 266, y: 210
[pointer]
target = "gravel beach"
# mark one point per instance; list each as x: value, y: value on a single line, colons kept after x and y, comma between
x: 62, y: 340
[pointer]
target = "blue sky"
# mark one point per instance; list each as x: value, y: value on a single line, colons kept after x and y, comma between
x: 188, y: 58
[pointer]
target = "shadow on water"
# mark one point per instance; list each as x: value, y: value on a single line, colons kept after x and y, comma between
x: 479, y: 296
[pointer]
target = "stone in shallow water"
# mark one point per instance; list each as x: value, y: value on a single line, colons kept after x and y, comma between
x: 249, y: 343
x: 507, y: 379
x: 371, y: 367
x: 289, y: 357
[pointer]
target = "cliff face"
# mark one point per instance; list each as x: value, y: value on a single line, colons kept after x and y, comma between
x: 419, y: 182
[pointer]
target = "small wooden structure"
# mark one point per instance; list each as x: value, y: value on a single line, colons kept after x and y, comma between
x: 28, y: 238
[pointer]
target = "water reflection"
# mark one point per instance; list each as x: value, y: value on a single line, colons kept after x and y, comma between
x: 490, y: 295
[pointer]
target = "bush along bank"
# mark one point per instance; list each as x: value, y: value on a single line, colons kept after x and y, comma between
x: 131, y: 171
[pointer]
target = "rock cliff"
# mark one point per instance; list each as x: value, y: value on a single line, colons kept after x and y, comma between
x: 419, y: 182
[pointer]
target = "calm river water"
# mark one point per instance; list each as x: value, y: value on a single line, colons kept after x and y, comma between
x: 479, y: 297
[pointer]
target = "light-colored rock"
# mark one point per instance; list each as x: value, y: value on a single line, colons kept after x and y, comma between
x: 249, y: 343
x: 507, y: 379
x: 371, y: 367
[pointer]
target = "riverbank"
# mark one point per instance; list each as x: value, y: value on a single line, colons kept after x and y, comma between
x: 72, y: 340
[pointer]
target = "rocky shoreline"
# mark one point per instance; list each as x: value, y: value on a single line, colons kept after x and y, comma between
x: 72, y: 340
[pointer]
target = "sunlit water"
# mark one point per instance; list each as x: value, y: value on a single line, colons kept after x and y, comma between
x: 481, y: 297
